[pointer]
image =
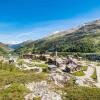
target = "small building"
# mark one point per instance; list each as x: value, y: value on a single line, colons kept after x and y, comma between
x: 51, y: 61
x: 37, y: 56
x: 28, y: 56
x: 72, y: 66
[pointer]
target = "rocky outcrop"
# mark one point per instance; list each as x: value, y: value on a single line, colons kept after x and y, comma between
x: 42, y: 90
x: 59, y: 78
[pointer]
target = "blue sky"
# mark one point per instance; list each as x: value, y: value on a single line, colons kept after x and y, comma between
x: 22, y: 20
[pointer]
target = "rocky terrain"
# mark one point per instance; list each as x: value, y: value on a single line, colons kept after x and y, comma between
x: 42, y: 90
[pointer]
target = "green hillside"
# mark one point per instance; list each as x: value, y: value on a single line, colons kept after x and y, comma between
x: 4, y: 49
x: 85, y: 39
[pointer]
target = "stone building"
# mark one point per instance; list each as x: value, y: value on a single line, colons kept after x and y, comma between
x: 72, y: 66
x: 37, y: 56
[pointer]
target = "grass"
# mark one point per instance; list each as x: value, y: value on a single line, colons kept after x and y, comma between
x: 42, y: 65
x: 9, y: 74
x: 36, y: 61
x: 37, y: 98
x: 15, y: 92
x: 75, y: 92
x: 7, y: 77
x: 80, y: 93
x: 84, y: 68
x: 20, y: 62
x: 94, y: 75
x: 79, y: 73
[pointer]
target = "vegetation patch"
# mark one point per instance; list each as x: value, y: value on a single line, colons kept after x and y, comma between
x: 9, y: 74
x: 37, y: 98
x: 94, y: 75
x: 20, y: 62
x: 80, y: 93
x: 84, y: 68
x: 36, y: 60
x: 79, y: 73
x: 42, y: 65
x: 15, y: 92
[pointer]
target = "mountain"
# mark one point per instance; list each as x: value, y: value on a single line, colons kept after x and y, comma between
x: 4, y: 48
x: 16, y: 46
x: 85, y: 38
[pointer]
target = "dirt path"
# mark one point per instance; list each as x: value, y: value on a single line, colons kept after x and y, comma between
x: 89, y: 72
x: 86, y: 80
x: 98, y: 75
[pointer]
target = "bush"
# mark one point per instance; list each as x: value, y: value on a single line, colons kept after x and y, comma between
x: 36, y: 60
x: 45, y: 70
x: 84, y: 45
x: 20, y: 62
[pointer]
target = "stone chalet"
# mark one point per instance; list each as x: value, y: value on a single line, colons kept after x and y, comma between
x: 66, y: 64
x: 72, y: 66
x: 28, y: 56
x: 36, y: 56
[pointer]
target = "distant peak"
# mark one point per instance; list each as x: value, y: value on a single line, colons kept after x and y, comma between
x: 55, y: 32
x: 97, y: 21
x: 93, y: 22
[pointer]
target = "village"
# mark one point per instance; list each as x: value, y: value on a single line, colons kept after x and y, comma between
x: 59, y: 70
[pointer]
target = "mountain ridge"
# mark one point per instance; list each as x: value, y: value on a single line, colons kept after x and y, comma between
x: 85, y: 38
x: 18, y: 45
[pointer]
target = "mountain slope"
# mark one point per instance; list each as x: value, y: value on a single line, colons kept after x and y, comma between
x: 81, y: 39
x: 4, y: 48
x: 16, y: 46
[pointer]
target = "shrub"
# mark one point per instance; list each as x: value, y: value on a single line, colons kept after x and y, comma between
x: 20, y: 62
x: 45, y: 70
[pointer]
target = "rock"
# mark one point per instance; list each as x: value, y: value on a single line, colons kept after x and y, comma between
x: 7, y: 86
x: 51, y: 96
x: 58, y: 78
x: 42, y: 90
x: 29, y: 96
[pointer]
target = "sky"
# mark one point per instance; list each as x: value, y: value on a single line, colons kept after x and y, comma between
x: 22, y: 20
